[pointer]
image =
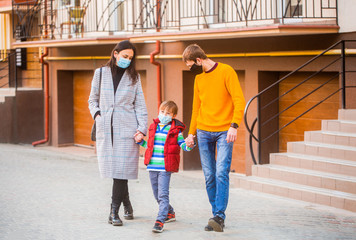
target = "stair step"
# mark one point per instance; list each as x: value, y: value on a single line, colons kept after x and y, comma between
x: 327, y: 137
x: 323, y: 150
x: 7, y: 92
x: 347, y: 126
x: 347, y: 114
x: 321, y: 169
x: 316, y: 195
x: 306, y: 177
x: 316, y: 163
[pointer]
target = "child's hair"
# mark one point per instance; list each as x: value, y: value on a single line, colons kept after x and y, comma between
x: 192, y: 52
x: 170, y: 106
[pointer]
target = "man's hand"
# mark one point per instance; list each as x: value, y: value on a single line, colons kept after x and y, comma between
x: 190, y: 140
x: 231, y: 135
x: 138, y: 136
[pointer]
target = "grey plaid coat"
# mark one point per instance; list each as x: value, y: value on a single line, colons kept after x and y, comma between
x: 117, y: 151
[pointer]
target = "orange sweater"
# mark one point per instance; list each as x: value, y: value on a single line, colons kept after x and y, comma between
x: 218, y: 100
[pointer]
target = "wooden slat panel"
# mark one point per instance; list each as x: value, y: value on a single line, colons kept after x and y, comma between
x: 312, y: 120
x: 82, y: 117
x: 32, y: 76
x: 238, y: 163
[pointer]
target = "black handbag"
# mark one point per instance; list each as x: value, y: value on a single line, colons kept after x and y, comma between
x: 93, y: 128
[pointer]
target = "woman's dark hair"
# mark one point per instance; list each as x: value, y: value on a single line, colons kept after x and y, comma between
x: 131, y: 70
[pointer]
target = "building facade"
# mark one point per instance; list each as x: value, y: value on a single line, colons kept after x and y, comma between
x: 59, y: 43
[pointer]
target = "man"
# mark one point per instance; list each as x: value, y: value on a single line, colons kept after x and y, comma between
x: 218, y: 107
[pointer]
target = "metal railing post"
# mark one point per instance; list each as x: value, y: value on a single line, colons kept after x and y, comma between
x: 15, y: 73
x: 343, y: 77
x: 337, y: 15
x: 282, y: 10
x: 259, y: 129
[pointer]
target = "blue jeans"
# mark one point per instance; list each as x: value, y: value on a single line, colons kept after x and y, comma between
x: 160, y: 187
x: 216, y: 171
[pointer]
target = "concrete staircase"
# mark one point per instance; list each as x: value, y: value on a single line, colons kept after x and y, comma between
x: 6, y: 92
x: 321, y: 169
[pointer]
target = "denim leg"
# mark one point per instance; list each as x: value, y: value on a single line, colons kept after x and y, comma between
x: 170, y: 209
x: 223, y: 164
x: 163, y: 195
x: 207, y: 147
x: 154, y: 183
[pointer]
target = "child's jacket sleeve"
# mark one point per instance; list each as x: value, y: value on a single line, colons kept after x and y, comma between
x: 182, y: 143
x: 143, y: 143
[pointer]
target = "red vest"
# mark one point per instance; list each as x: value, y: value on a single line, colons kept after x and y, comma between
x: 171, y: 147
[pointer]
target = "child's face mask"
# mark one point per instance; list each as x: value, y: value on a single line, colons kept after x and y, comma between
x: 164, y: 119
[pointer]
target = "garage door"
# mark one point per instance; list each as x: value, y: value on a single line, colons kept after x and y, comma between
x: 82, y: 117
x: 312, y: 120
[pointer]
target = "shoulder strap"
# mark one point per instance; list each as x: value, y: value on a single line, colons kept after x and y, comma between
x: 100, y: 82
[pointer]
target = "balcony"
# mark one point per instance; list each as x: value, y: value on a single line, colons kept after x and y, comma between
x: 88, y: 19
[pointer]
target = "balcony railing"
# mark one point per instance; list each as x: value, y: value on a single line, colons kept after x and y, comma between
x: 86, y: 18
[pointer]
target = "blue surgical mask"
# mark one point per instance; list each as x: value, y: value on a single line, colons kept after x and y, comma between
x: 164, y: 119
x: 123, y: 62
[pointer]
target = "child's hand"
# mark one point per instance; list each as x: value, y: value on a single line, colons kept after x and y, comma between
x: 138, y: 136
x: 190, y: 140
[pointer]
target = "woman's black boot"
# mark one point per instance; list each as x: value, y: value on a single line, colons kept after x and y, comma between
x: 128, y: 210
x: 114, y: 218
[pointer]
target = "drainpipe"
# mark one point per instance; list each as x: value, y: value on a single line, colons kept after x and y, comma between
x: 157, y: 51
x: 45, y: 68
x: 152, y: 60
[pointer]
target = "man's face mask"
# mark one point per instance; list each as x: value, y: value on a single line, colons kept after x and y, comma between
x: 196, y: 69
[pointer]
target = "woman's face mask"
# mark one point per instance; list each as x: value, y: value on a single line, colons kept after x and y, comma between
x: 123, y: 62
x: 123, y: 58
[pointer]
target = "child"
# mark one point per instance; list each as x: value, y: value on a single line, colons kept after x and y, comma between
x: 162, y: 158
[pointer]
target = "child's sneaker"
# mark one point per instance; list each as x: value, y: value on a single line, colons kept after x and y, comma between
x: 171, y: 217
x: 158, y: 227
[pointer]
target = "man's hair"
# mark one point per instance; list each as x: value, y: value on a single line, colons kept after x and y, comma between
x: 192, y: 52
x: 169, y: 106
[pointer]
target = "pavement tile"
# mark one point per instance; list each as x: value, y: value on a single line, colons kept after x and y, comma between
x: 46, y: 194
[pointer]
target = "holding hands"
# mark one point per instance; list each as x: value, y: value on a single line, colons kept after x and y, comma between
x: 138, y: 136
x: 190, y: 141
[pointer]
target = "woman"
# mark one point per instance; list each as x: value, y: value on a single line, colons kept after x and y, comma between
x: 120, y: 112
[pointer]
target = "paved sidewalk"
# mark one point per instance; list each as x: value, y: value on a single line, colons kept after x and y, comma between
x: 57, y: 193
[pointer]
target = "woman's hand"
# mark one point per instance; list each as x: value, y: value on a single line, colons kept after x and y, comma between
x: 138, y: 136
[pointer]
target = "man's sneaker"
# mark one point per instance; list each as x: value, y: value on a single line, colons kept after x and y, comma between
x: 158, y: 227
x: 208, y: 228
x: 217, y: 223
x: 171, y: 217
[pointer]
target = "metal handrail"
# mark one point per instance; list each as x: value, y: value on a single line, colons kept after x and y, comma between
x: 257, y: 97
x: 7, y: 60
x: 299, y: 100
x: 302, y: 82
